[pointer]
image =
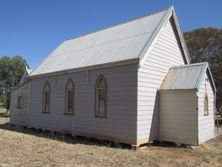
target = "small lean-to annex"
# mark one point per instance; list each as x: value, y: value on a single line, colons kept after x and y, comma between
x: 187, y: 106
x: 109, y: 84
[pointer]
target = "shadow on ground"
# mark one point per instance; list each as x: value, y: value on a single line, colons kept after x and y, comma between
x: 67, y: 138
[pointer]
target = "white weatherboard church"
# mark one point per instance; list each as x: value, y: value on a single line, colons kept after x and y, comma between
x: 130, y: 83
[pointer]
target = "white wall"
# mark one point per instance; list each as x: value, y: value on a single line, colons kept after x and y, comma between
x: 20, y: 116
x: 164, y: 53
x: 178, y: 117
x: 121, y: 115
x: 205, y: 123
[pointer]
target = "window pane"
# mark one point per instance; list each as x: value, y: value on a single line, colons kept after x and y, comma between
x: 101, y: 96
x: 206, y: 109
x: 69, y: 97
x: 70, y: 100
x: 102, y: 106
x: 45, y: 101
x: 101, y: 83
x: 46, y: 98
x: 206, y: 112
x: 19, y: 102
x: 46, y: 105
x: 101, y: 101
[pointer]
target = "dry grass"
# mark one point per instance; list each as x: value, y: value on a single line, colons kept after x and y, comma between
x: 2, y: 110
x: 25, y: 147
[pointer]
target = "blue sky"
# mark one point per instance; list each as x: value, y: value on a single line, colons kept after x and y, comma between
x: 33, y: 28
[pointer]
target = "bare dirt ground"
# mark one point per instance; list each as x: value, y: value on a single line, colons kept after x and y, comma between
x: 26, y: 147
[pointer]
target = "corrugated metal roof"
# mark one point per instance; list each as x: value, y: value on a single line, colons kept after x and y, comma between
x: 184, y: 77
x: 117, y: 43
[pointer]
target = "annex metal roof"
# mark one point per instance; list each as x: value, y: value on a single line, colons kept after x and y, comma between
x: 186, y: 77
x: 117, y: 43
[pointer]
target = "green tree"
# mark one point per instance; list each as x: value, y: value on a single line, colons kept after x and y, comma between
x: 205, y: 44
x: 11, y: 72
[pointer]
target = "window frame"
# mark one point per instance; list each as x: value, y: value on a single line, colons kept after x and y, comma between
x: 206, y: 100
x: 43, y: 97
x: 20, y: 103
x: 66, y: 112
x: 101, y: 77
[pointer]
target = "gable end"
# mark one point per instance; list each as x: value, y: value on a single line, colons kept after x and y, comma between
x: 170, y: 15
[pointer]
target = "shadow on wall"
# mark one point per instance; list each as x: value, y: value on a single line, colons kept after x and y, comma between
x: 67, y: 138
x: 154, y: 129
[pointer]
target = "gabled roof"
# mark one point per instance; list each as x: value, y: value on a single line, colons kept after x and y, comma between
x: 187, y: 77
x: 29, y: 71
x: 122, y: 42
x: 25, y: 76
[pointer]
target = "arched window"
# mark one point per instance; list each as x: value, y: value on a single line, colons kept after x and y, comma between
x: 69, y: 99
x: 20, y: 102
x: 101, y: 97
x: 206, y: 107
x: 46, y: 98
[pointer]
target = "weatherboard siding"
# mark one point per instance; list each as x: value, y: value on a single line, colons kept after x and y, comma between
x: 178, y: 116
x: 205, y: 123
x: 121, y: 115
x: 164, y: 53
x: 20, y: 115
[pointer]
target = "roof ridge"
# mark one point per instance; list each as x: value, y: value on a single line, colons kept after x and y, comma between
x: 157, y: 16
x: 117, y: 24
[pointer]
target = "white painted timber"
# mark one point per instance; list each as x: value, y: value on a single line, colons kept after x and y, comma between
x: 20, y: 116
x: 205, y: 123
x: 121, y: 115
x: 178, y: 117
x: 164, y: 53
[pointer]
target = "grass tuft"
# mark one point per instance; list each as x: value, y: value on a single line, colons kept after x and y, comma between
x: 20, y: 146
